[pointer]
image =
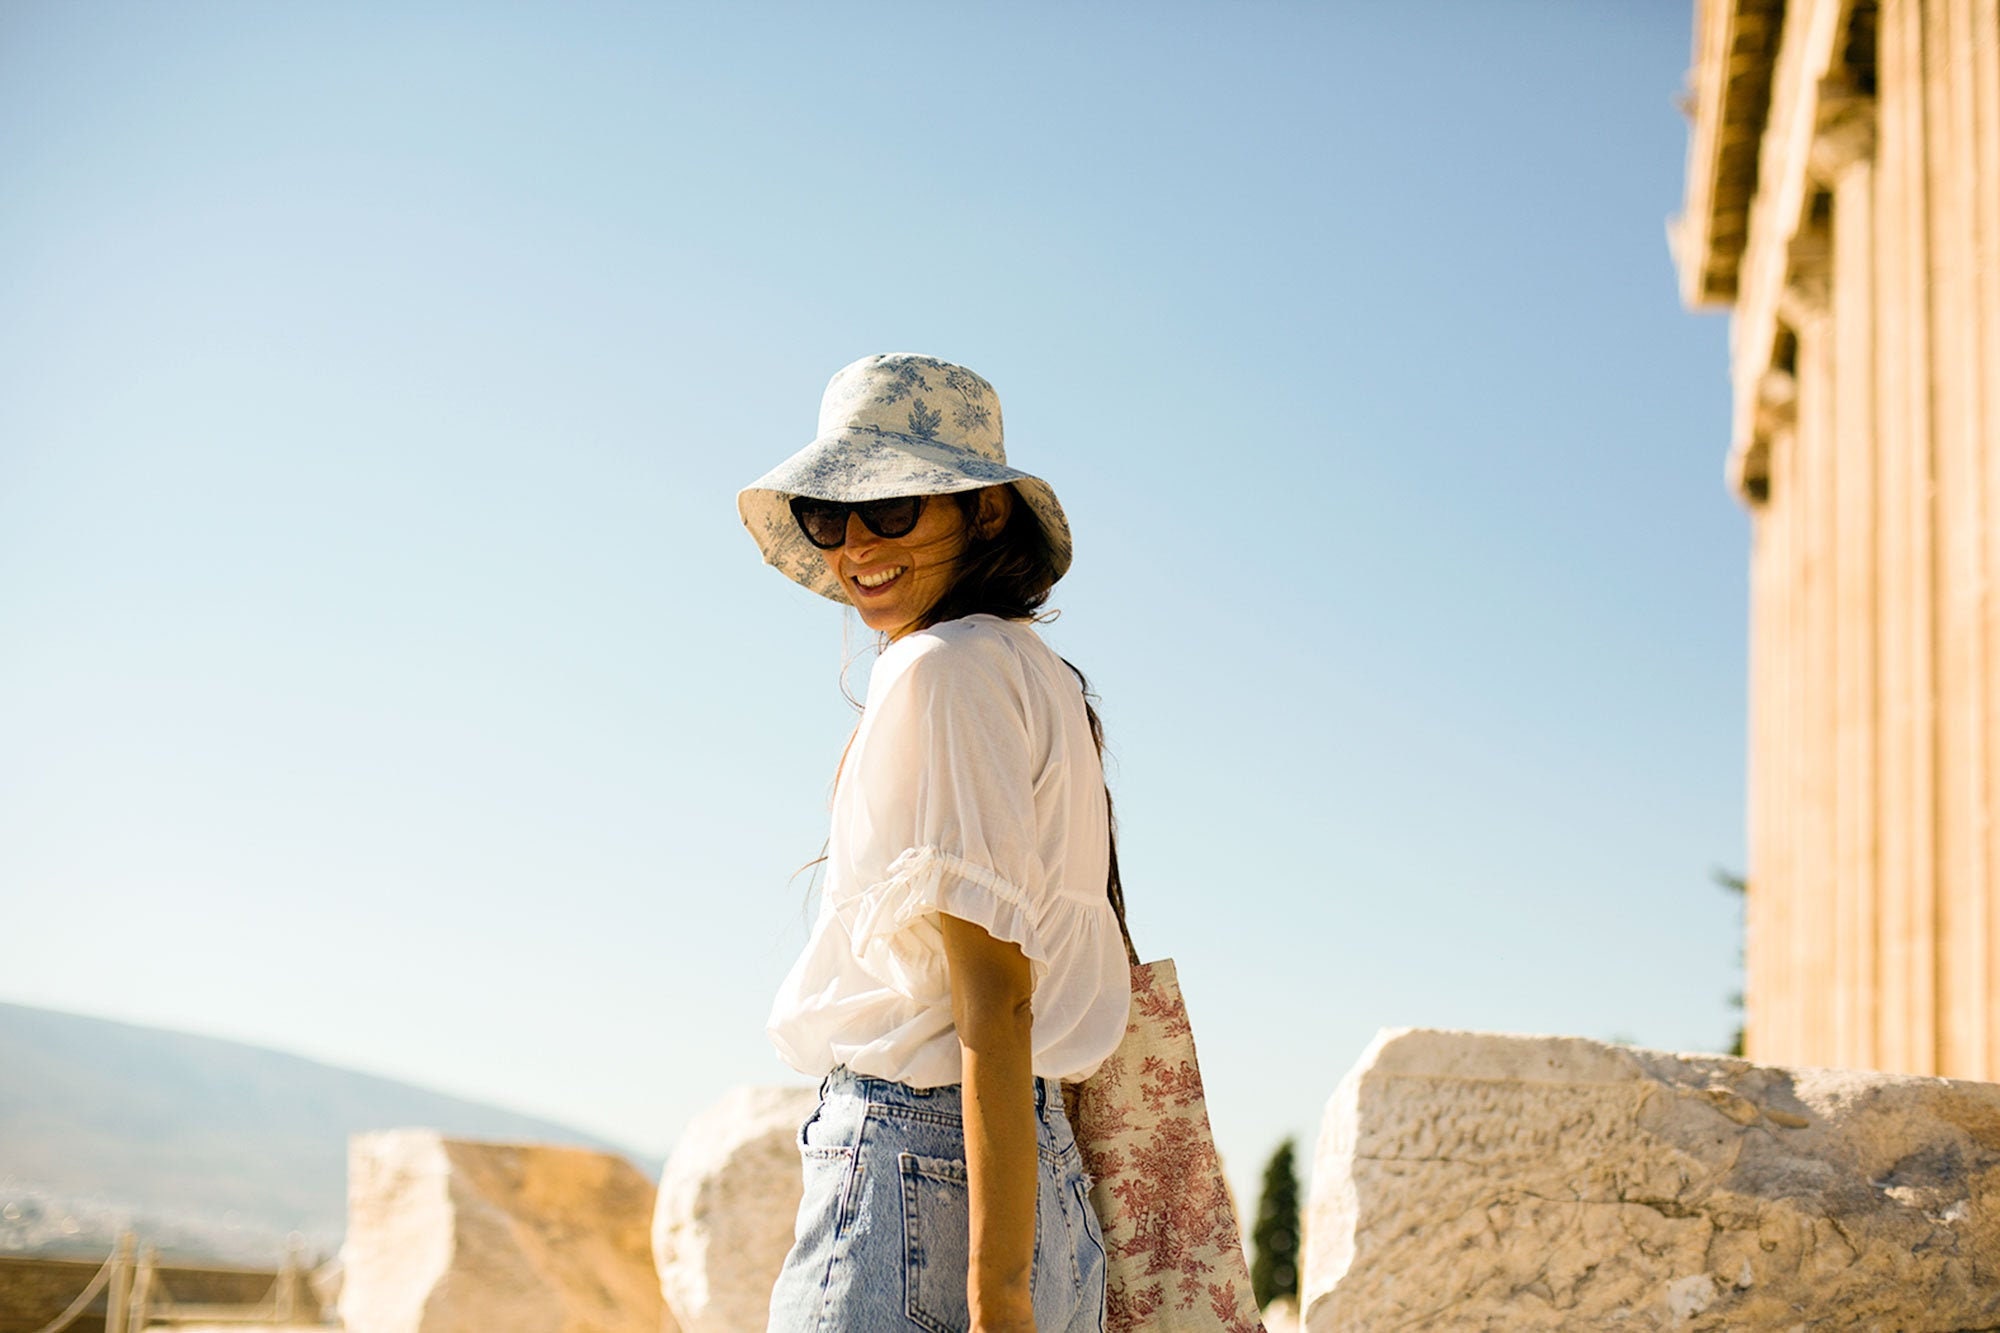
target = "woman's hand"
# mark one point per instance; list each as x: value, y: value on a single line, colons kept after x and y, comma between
x: 992, y: 993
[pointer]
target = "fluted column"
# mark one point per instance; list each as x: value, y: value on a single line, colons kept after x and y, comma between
x: 1908, y: 863
x: 1842, y: 164
x: 1984, y: 68
x: 1964, y: 447
x: 1818, y: 908
x: 1779, y: 952
x: 1762, y: 926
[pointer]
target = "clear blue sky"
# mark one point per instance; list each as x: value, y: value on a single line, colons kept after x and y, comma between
x: 385, y: 675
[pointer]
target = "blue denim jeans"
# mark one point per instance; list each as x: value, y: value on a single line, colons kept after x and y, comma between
x: 880, y: 1245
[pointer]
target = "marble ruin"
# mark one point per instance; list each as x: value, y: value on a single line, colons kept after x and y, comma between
x: 1473, y: 1181
x: 1843, y: 203
x: 450, y: 1236
x: 728, y: 1199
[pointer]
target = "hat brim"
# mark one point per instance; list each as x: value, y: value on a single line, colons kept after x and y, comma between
x: 859, y: 464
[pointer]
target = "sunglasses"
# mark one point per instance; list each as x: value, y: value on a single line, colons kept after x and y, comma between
x: 824, y: 522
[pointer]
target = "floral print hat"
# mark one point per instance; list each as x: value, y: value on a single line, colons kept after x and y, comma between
x: 892, y: 424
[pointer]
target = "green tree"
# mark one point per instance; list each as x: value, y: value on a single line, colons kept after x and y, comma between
x: 1274, y: 1241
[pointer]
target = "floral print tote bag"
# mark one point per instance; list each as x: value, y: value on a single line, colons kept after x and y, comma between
x: 1174, y: 1256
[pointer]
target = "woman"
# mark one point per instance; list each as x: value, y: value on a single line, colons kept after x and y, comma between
x: 970, y: 949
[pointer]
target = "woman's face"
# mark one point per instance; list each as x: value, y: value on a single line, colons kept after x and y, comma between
x: 892, y: 581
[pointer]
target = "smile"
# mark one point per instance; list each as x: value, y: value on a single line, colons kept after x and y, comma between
x: 880, y: 577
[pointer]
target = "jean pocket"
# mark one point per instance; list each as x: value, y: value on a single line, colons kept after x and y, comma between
x: 831, y: 1174
x: 937, y: 1253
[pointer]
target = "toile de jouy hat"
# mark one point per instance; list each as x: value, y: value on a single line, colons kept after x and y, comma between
x: 892, y: 424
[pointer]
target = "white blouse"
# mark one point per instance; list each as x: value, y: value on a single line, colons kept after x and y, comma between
x: 971, y: 787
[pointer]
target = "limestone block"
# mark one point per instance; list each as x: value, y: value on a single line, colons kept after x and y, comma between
x: 450, y: 1236
x: 728, y: 1201
x: 1470, y: 1181
x: 324, y: 1283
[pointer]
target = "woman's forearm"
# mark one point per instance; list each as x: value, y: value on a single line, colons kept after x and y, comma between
x: 1001, y: 1177
x: 992, y: 991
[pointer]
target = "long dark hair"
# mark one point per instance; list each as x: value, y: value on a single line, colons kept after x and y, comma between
x: 1009, y: 574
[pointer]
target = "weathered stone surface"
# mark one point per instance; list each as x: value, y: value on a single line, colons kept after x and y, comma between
x: 1469, y: 1181
x: 325, y: 1282
x: 729, y: 1197
x: 450, y: 1236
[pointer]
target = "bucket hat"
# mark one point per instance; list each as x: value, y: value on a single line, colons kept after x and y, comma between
x: 896, y: 423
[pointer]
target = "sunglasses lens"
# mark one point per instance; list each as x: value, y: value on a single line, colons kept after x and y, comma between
x: 891, y: 518
x: 824, y: 522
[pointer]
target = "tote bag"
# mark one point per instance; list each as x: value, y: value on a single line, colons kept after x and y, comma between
x: 1174, y: 1257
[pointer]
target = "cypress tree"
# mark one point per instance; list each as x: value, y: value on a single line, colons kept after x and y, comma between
x: 1274, y: 1241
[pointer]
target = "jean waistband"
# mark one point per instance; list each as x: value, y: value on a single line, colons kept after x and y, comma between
x: 946, y: 1096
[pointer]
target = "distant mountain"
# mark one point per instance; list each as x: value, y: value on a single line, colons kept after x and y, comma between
x: 210, y: 1148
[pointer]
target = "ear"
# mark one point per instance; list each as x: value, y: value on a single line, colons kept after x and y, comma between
x: 996, y: 504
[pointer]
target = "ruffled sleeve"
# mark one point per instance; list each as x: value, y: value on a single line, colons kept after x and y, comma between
x: 938, y: 811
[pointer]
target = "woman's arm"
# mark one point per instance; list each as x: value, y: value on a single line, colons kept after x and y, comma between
x: 991, y: 1004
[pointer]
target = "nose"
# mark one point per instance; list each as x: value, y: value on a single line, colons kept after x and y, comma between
x: 859, y: 540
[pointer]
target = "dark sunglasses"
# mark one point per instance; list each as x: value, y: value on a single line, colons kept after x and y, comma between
x: 824, y: 522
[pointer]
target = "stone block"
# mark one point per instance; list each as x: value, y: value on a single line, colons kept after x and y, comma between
x: 728, y: 1202
x: 450, y: 1236
x: 1472, y: 1181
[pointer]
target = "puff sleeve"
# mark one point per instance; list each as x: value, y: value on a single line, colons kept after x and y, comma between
x: 941, y: 815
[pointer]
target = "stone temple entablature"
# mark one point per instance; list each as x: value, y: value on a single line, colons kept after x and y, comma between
x: 1843, y: 202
